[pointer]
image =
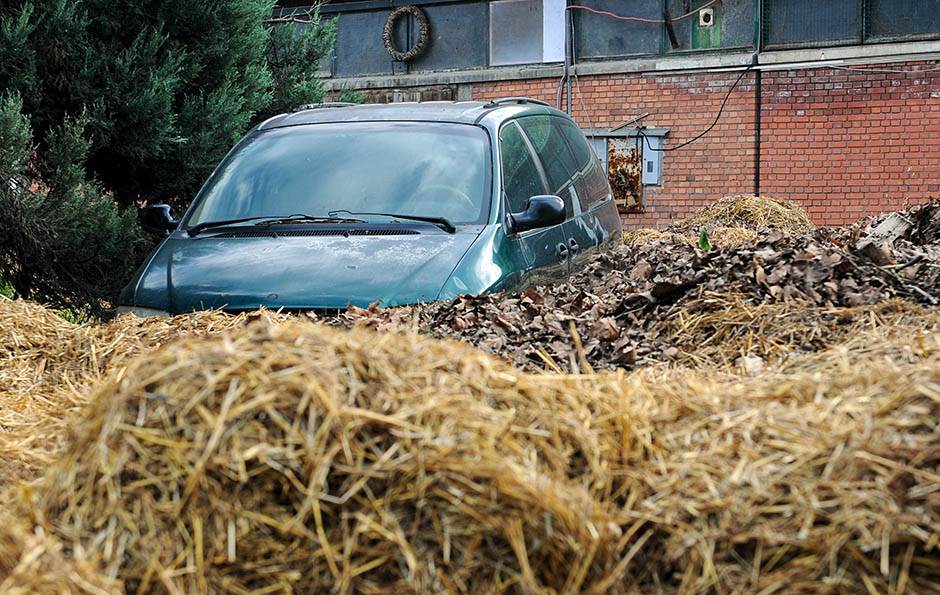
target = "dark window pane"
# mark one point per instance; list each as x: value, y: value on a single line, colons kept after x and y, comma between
x: 521, y: 178
x: 558, y: 161
x: 598, y: 36
x: 899, y: 18
x: 575, y: 139
x: 811, y: 22
x: 732, y: 25
x: 458, y: 34
x: 353, y: 57
x: 591, y: 182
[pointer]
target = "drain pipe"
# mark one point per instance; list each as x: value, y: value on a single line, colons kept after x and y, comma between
x: 758, y: 97
x: 569, y: 54
x: 758, y: 104
x: 565, y: 75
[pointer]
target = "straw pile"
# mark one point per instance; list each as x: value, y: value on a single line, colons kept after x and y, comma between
x: 719, y: 237
x: 731, y: 221
x: 781, y: 433
x: 727, y: 330
x: 29, y: 335
x: 642, y: 236
x: 752, y: 212
x: 34, y: 563
x: 297, y: 457
x: 47, y: 365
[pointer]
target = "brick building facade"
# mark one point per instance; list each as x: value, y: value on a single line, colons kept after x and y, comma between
x: 846, y: 127
x: 842, y: 143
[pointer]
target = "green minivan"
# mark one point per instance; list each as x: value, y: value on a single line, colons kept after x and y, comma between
x: 335, y: 205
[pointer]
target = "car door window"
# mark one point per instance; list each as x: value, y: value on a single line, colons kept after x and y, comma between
x: 556, y: 156
x: 521, y: 177
x: 592, y: 185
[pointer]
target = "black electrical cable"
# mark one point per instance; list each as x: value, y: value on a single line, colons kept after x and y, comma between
x: 707, y: 130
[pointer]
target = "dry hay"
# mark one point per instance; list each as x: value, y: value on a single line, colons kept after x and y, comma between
x: 752, y: 212
x: 29, y: 335
x: 724, y: 236
x: 31, y: 338
x: 305, y: 458
x: 719, y: 236
x: 718, y: 331
x: 47, y: 365
x: 644, y: 236
x: 34, y: 563
x: 802, y: 481
x: 300, y: 457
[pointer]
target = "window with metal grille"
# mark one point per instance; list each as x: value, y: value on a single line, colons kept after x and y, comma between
x: 899, y: 19
x: 728, y: 24
x: 809, y: 22
x: 599, y: 36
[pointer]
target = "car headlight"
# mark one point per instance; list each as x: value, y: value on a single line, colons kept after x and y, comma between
x: 141, y: 312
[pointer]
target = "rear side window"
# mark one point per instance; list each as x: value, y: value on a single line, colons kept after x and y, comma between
x: 594, y: 186
x: 592, y: 183
x: 521, y: 177
x: 579, y: 147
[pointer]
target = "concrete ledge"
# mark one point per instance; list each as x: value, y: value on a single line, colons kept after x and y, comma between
x: 733, y: 59
x: 452, y: 77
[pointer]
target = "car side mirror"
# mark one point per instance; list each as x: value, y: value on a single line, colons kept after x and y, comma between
x: 541, y: 211
x: 158, y: 219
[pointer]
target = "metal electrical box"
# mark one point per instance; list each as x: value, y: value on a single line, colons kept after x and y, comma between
x: 653, y: 161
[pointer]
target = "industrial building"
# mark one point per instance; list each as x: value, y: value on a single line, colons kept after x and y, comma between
x: 835, y: 104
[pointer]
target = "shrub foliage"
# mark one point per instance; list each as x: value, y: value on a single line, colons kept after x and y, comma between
x: 107, y: 105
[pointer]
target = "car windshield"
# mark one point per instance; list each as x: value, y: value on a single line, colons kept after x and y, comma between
x: 424, y: 169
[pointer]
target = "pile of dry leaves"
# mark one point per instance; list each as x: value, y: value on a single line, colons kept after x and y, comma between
x: 617, y: 311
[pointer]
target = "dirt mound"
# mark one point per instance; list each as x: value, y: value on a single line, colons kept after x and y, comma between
x: 303, y: 458
x: 748, y: 211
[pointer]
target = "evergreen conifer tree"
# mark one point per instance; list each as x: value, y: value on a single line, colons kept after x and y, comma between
x: 106, y: 105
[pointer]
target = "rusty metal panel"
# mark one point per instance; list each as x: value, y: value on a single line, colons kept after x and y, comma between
x: 625, y: 171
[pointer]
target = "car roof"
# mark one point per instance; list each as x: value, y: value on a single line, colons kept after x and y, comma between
x: 460, y: 112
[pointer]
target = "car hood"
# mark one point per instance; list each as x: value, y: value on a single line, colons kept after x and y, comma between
x: 188, y: 274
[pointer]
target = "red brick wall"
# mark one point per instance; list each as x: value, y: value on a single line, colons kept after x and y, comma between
x: 843, y: 144
x: 846, y: 144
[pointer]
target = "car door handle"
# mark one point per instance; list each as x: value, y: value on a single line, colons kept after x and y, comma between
x: 575, y: 247
x: 562, y: 250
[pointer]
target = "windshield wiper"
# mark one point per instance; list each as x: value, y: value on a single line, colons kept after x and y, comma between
x: 308, y: 219
x: 201, y: 227
x: 267, y: 220
x: 441, y: 222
